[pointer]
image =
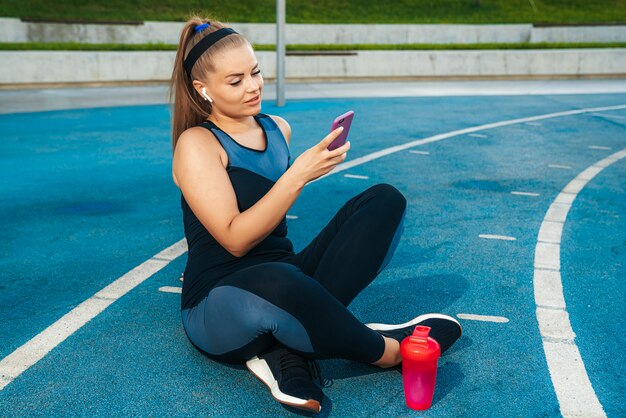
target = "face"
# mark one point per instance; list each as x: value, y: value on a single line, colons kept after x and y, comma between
x: 236, y: 84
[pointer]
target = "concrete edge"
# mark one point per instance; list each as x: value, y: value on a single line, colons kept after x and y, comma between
x: 51, y: 67
x: 16, y: 30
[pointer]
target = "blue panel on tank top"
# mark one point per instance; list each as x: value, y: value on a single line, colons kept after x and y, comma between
x: 271, y: 162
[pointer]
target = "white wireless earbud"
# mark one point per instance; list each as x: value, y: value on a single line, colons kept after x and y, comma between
x: 206, y: 97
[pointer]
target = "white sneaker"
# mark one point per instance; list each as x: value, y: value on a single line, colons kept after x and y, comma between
x: 289, y: 378
x: 443, y: 328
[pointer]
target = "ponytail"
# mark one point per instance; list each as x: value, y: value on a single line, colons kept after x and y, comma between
x: 189, y: 108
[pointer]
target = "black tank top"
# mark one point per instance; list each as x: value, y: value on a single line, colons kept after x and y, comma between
x: 252, y: 174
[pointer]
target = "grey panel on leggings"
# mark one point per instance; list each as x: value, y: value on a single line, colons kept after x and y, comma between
x: 230, y: 317
x: 394, y: 244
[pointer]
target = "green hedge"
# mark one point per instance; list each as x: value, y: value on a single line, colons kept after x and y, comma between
x: 327, y: 11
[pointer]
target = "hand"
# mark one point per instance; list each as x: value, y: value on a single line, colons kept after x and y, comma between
x: 318, y: 160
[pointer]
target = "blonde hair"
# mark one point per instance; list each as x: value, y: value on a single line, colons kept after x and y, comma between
x: 189, y: 108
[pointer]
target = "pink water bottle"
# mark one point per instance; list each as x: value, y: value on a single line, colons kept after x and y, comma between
x: 420, y: 354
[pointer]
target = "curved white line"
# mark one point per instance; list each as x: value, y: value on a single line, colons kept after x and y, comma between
x: 571, y: 383
x: 36, y: 348
x: 435, y: 138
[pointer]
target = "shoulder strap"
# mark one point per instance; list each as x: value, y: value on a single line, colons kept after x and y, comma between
x: 221, y: 136
x: 272, y: 129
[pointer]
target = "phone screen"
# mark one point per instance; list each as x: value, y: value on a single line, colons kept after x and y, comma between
x: 344, y: 120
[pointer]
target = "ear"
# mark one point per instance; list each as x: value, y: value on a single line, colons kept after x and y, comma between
x: 198, y: 86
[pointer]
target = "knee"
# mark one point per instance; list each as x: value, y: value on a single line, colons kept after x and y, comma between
x: 391, y: 197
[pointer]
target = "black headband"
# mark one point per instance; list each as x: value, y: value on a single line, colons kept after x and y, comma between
x: 199, y: 48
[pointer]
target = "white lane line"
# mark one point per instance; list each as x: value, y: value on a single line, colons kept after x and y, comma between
x: 485, y: 318
x: 397, y: 148
x: 355, y: 176
x: 525, y: 193
x: 569, y: 377
x: 575, y: 186
x: 31, y: 352
x: 35, y: 349
x: 478, y: 135
x: 171, y: 289
x: 551, y: 293
x: 551, y: 232
x: 564, y: 167
x: 557, y: 212
x: 500, y: 237
x: 601, y: 147
x: 291, y: 217
x: 548, y: 256
x: 419, y: 152
x: 565, y: 198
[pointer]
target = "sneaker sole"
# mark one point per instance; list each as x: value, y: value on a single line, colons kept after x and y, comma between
x: 445, y: 336
x: 260, y: 369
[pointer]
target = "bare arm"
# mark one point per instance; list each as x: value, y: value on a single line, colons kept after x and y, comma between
x: 206, y: 187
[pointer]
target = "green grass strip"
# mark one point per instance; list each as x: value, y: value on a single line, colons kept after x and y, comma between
x: 70, y: 46
x: 327, y: 11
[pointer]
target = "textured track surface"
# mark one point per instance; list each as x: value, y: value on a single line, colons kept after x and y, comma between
x: 87, y: 196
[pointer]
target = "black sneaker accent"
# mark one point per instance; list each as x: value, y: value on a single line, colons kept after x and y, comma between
x: 443, y: 328
x: 289, y: 378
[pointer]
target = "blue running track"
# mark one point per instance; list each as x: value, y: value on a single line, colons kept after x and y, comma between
x: 86, y: 196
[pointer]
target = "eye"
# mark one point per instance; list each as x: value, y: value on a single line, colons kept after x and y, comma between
x: 257, y: 72
x: 235, y: 83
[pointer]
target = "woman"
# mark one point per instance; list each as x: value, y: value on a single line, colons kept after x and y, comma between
x: 247, y: 296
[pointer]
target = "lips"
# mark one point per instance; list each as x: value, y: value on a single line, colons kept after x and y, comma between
x: 254, y: 99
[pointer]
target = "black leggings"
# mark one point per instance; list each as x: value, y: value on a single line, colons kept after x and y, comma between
x: 302, y: 301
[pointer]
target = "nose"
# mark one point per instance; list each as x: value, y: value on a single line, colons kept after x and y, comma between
x: 253, y: 84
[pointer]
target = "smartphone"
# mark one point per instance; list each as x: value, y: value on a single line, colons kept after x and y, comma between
x: 344, y: 120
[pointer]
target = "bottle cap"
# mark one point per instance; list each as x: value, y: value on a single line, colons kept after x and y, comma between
x: 419, y: 346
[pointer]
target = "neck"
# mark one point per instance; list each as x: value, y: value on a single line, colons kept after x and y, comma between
x: 232, y: 124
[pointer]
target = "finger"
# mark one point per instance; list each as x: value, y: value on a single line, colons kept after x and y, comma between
x: 330, y: 137
x: 338, y: 159
x: 340, y: 150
